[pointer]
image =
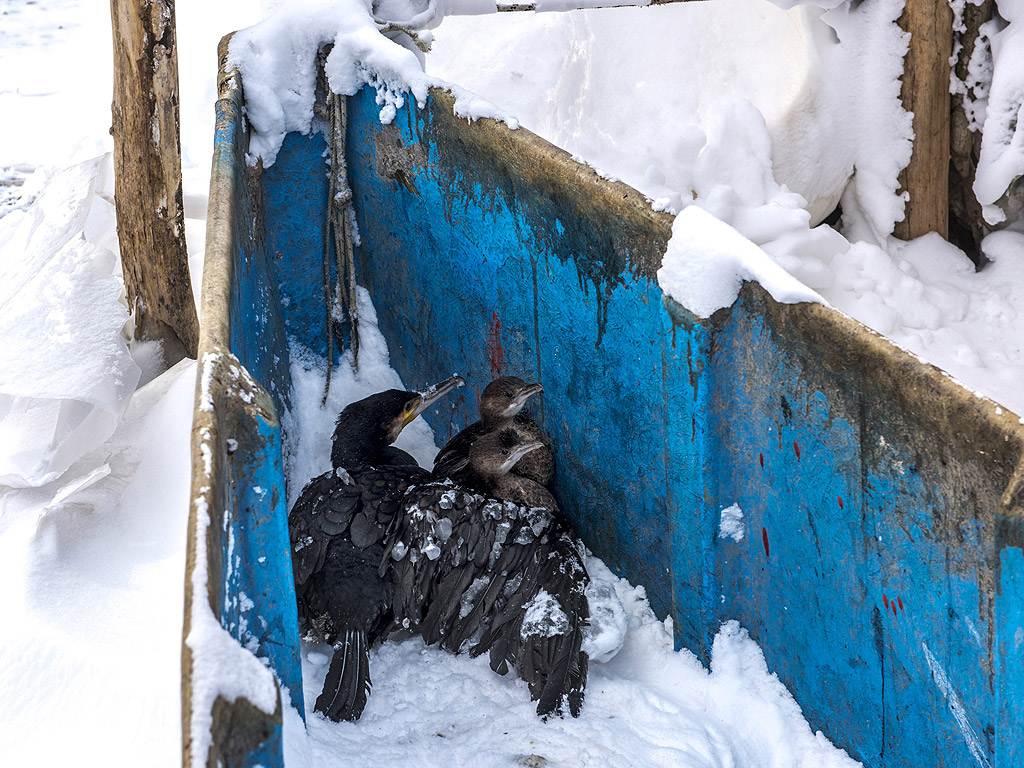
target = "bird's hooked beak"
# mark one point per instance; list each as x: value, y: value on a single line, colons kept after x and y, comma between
x: 431, y: 395
x: 518, y: 452
x: 520, y: 400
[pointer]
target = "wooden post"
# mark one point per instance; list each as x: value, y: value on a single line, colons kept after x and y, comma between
x: 147, y: 175
x: 925, y: 92
x: 966, y: 223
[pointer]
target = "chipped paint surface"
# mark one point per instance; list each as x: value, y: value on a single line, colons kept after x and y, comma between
x: 956, y: 707
x: 877, y: 521
x: 884, y: 530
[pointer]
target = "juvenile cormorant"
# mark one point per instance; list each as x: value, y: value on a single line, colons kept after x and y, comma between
x: 337, y: 529
x: 501, y: 404
x: 506, y: 575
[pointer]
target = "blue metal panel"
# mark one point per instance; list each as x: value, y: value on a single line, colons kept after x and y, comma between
x: 238, y: 472
x: 871, y: 572
x: 257, y: 518
x: 868, y: 613
x: 294, y: 206
x: 1010, y: 640
x: 479, y: 288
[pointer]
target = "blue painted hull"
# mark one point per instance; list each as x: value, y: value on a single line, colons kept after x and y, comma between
x: 881, y: 568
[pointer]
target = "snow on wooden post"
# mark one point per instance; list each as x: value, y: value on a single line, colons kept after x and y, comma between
x: 925, y: 92
x: 147, y: 171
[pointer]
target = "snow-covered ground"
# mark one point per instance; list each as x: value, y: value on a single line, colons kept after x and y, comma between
x: 755, y: 115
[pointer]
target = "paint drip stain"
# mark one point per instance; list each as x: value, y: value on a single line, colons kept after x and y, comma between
x: 495, y: 352
x: 840, y: 501
x: 764, y: 540
x: 796, y: 449
x: 760, y: 457
x: 885, y: 600
x: 893, y: 606
x: 900, y: 601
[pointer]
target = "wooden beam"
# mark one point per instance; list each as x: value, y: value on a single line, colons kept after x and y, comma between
x: 966, y: 223
x: 925, y: 92
x: 147, y: 175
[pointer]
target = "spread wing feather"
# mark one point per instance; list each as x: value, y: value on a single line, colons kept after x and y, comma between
x: 467, y: 566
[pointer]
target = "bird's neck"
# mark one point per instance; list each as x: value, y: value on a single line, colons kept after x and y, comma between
x: 497, y: 421
x: 352, y: 450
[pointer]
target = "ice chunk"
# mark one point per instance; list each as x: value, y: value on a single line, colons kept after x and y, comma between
x: 606, y: 633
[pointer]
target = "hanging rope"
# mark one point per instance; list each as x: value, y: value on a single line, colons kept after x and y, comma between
x: 340, y: 226
x: 327, y: 278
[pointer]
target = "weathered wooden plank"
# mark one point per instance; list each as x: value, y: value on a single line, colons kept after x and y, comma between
x: 147, y: 175
x: 925, y: 92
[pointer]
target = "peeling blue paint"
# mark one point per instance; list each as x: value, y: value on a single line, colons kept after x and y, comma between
x: 881, y: 570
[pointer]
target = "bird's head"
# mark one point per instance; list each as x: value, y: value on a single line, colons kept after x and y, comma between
x: 505, y: 397
x: 375, y: 422
x: 496, y: 453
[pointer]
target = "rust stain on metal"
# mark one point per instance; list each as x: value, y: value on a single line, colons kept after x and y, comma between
x: 495, y: 351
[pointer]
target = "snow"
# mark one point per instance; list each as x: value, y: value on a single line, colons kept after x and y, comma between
x: 543, y: 617
x: 91, y: 572
x: 278, y: 62
x: 765, y: 119
x: 748, y: 120
x: 1002, y: 146
x: 731, y: 523
x: 707, y: 261
x: 649, y: 706
x: 66, y: 374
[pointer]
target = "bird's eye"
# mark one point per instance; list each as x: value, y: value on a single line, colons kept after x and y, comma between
x: 408, y: 406
x: 508, y: 395
x: 504, y: 452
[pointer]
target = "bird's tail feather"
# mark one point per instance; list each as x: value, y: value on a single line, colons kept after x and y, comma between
x: 347, y: 685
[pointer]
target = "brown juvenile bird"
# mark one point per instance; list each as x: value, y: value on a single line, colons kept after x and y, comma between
x: 504, y: 570
x: 501, y: 405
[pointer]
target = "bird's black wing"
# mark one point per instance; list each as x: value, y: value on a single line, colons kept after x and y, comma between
x: 551, y: 659
x: 452, y: 461
x: 430, y: 551
x: 322, y: 512
x: 537, y: 626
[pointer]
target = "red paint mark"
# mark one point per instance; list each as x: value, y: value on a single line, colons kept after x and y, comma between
x: 840, y: 501
x: 885, y: 600
x: 495, y: 352
x: 900, y: 601
x: 764, y: 539
x: 893, y: 606
x: 760, y: 457
x: 796, y: 449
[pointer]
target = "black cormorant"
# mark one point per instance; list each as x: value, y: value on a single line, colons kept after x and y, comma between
x: 506, y: 575
x: 501, y: 404
x: 337, y: 529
